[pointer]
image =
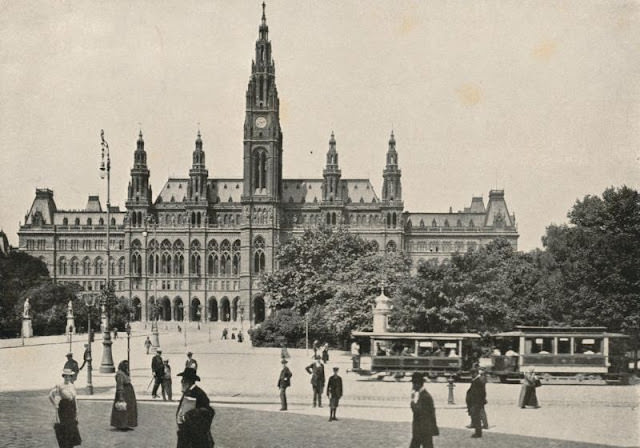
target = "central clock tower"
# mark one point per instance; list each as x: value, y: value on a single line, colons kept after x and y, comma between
x: 262, y: 134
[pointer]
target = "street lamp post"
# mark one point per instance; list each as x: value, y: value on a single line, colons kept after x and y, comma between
x: 107, y: 366
x: 155, y: 334
x: 241, y: 317
x: 128, y: 330
x: 306, y: 333
x: 89, y: 300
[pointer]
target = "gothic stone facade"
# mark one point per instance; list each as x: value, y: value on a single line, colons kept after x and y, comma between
x: 200, y: 247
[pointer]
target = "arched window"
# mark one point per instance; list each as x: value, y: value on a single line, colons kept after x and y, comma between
x: 99, y: 267
x: 166, y: 263
x: 62, y: 266
x: 179, y: 264
x: 75, y: 266
x: 259, y: 259
x: 213, y: 309
x: 393, y: 219
x: 89, y: 221
x: 225, y: 310
x: 101, y: 221
x: 195, y: 264
x: 86, y: 266
x: 121, y: 266
x: 260, y: 169
x: 65, y: 221
x: 234, y: 309
x: 391, y: 246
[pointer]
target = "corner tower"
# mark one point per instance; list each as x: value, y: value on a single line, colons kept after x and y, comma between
x: 139, y: 199
x: 262, y: 134
x: 197, y: 190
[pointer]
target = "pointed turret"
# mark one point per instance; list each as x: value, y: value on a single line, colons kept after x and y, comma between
x: 139, y: 198
x: 331, y: 190
x: 391, y: 187
x: 198, y: 174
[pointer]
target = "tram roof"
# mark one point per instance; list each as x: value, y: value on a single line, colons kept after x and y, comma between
x: 434, y: 336
x: 522, y: 330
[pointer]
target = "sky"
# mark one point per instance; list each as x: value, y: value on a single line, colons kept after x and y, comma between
x: 539, y: 98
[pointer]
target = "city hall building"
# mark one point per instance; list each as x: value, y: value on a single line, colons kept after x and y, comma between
x: 199, y: 247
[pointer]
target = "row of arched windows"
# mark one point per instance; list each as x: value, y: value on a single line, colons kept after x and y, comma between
x: 224, y: 310
x: 89, y: 221
x: 87, y: 266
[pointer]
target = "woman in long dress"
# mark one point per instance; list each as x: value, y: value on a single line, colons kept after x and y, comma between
x: 528, y: 395
x: 124, y: 416
x: 63, y: 399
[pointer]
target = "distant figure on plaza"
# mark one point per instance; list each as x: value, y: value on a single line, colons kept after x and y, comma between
x: 166, y: 381
x: 179, y: 329
x: 284, y: 353
x: 325, y: 353
x: 147, y: 344
x: 424, y: 425
x: 191, y: 362
x: 528, y: 395
x: 124, y: 413
x: 240, y: 336
x: 115, y: 332
x: 225, y: 333
x: 194, y: 415
x: 316, y: 348
x: 355, y: 354
x: 334, y: 393
x: 284, y: 381
x: 72, y: 365
x: 157, y: 369
x: 63, y: 399
x: 316, y: 369
x: 233, y: 335
x: 86, y: 356
x: 476, y: 399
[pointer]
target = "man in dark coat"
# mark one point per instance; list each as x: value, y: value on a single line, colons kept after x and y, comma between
x: 334, y: 393
x: 283, y: 382
x: 476, y: 399
x: 317, y: 380
x: 73, y: 365
x: 157, y: 370
x: 194, y: 415
x: 424, y: 425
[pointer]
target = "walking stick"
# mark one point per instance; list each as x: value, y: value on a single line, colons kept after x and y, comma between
x: 151, y: 381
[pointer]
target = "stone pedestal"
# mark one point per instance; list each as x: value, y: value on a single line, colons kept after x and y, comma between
x: 27, y: 329
x: 381, y: 313
x: 71, y: 325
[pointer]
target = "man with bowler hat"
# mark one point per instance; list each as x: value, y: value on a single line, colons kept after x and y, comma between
x: 157, y: 370
x: 195, y: 414
x: 317, y: 380
x: 73, y: 365
x: 476, y: 399
x: 283, y: 382
x: 334, y: 392
x: 424, y: 425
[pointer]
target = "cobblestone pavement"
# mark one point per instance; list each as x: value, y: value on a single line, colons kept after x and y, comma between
x: 26, y: 421
x: 239, y: 375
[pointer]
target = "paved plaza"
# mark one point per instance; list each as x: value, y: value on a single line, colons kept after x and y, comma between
x: 241, y: 382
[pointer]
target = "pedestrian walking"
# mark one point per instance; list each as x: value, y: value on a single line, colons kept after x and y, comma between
x: 157, y: 370
x: 86, y: 356
x: 334, y: 393
x: 528, y: 396
x: 166, y: 381
x: 63, y: 399
x: 124, y: 412
x: 191, y: 362
x: 316, y: 369
x: 225, y: 333
x: 147, y: 344
x: 72, y: 364
x: 325, y: 353
x: 355, y: 354
x: 483, y: 413
x: 115, y: 332
x: 240, y: 336
x: 194, y: 414
x: 476, y: 398
x: 284, y: 381
x: 424, y: 425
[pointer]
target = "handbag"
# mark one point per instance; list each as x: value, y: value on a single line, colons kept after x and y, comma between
x: 121, y: 405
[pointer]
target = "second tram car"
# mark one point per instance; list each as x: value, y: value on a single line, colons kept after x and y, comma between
x: 433, y: 354
x: 574, y: 353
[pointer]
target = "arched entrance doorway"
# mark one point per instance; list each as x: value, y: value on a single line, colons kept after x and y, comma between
x: 234, y: 309
x: 258, y: 309
x: 225, y: 310
x: 137, y: 309
x: 165, y: 309
x: 196, y: 309
x: 178, y: 309
x: 213, y: 309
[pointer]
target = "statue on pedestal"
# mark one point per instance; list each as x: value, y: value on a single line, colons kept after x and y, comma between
x: 26, y: 314
x: 27, y: 328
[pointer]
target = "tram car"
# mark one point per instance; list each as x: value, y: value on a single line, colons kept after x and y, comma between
x: 402, y: 354
x: 579, y: 354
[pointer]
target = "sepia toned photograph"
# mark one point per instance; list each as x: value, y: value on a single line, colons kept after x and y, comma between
x: 277, y: 224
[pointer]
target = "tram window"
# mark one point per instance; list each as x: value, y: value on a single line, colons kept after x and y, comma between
x: 541, y: 346
x: 588, y: 346
x: 564, y: 346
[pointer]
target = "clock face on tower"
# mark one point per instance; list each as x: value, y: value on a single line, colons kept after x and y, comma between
x: 261, y: 122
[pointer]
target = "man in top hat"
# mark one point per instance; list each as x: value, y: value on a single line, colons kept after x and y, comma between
x: 157, y: 370
x: 476, y: 398
x: 334, y: 393
x: 424, y: 425
x: 191, y: 362
x: 283, y: 382
x: 72, y: 364
x: 194, y: 415
x: 317, y: 380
